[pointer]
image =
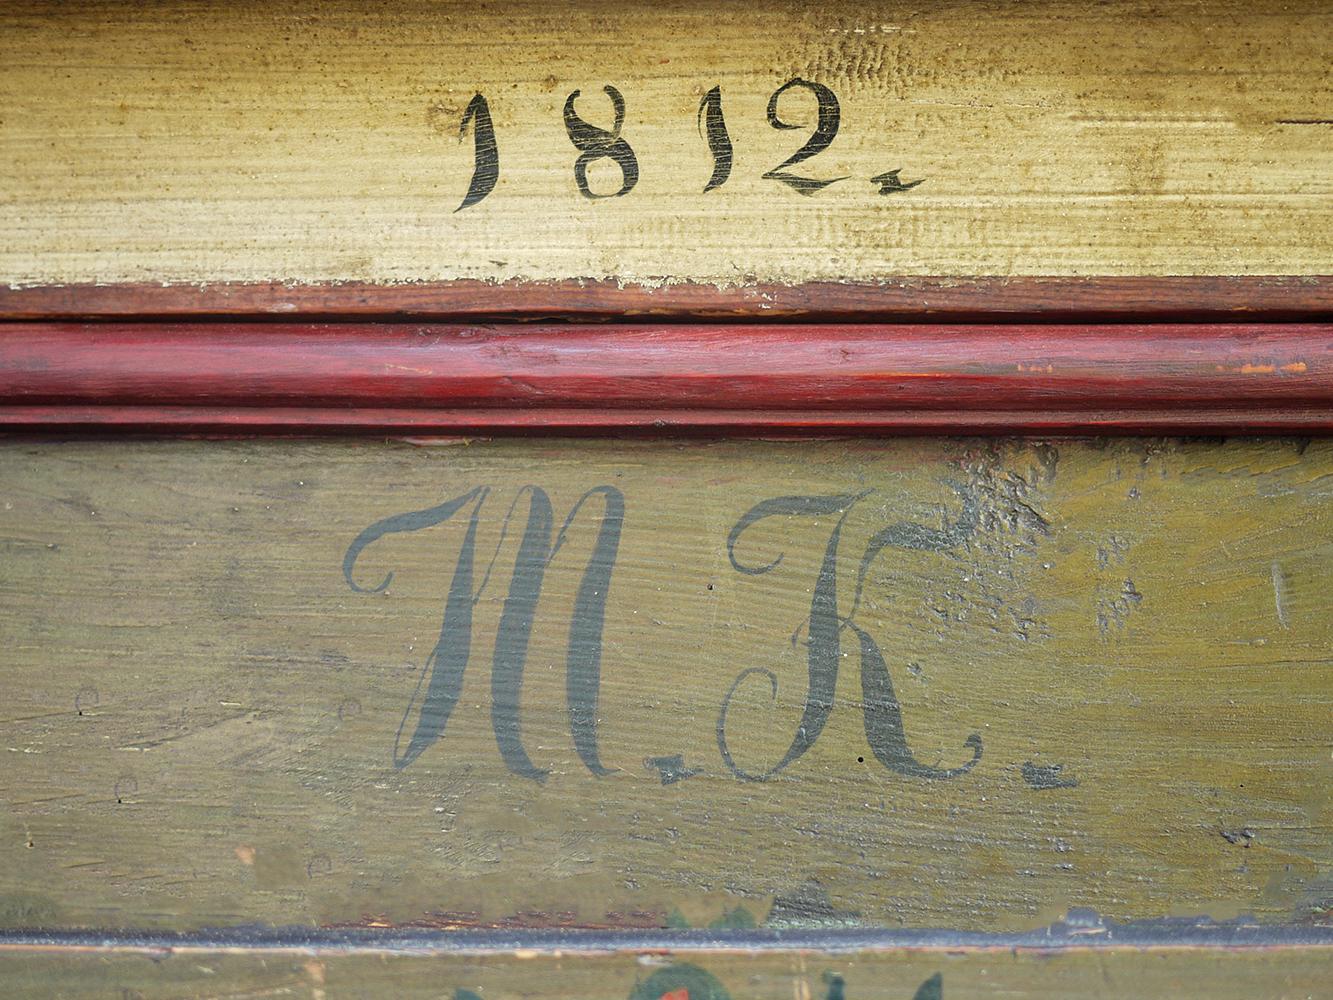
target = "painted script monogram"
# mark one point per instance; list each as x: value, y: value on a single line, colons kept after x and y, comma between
x: 443, y: 674
x: 881, y: 710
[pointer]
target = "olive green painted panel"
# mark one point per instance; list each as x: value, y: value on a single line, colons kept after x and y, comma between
x: 1076, y: 674
x: 1108, y: 975
x: 319, y: 140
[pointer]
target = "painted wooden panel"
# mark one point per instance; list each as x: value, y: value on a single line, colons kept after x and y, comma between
x: 1112, y: 975
x: 956, y: 684
x: 332, y: 141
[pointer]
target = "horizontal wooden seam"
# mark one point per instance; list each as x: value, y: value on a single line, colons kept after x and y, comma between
x: 1076, y: 934
x: 904, y: 299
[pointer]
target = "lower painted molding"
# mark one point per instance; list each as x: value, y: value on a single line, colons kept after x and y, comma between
x: 1080, y: 930
x: 725, y: 974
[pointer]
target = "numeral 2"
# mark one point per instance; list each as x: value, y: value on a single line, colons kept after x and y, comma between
x: 826, y: 129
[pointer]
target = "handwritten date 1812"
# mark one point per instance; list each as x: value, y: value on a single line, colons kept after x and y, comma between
x: 596, y: 143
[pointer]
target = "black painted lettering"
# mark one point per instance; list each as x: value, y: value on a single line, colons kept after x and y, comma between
x: 824, y: 626
x: 828, y: 114
x: 882, y: 712
x: 442, y: 675
x: 713, y: 127
x: 486, y: 153
x: 596, y: 144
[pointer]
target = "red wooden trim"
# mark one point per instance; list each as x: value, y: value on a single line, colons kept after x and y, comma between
x: 302, y: 421
x: 907, y: 299
x: 424, y: 378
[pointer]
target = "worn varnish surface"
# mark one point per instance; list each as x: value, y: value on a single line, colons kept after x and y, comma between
x: 667, y: 378
x: 1079, y: 976
x: 201, y: 713
x: 320, y: 141
x: 914, y: 298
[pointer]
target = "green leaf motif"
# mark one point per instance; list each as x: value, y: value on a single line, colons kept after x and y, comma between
x: 931, y: 989
x: 693, y: 981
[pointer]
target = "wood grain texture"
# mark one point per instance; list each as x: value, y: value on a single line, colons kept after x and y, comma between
x: 712, y: 378
x: 200, y: 712
x: 1104, y: 976
x: 933, y: 299
x: 318, y: 142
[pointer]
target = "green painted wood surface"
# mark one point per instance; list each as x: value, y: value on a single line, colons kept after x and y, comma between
x: 1114, y: 975
x: 200, y: 713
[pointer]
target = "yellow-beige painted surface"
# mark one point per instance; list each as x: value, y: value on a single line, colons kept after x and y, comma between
x: 201, y: 715
x: 308, y: 141
x: 1158, y: 975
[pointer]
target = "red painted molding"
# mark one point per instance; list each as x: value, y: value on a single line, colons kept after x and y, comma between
x: 906, y: 299
x: 664, y: 378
